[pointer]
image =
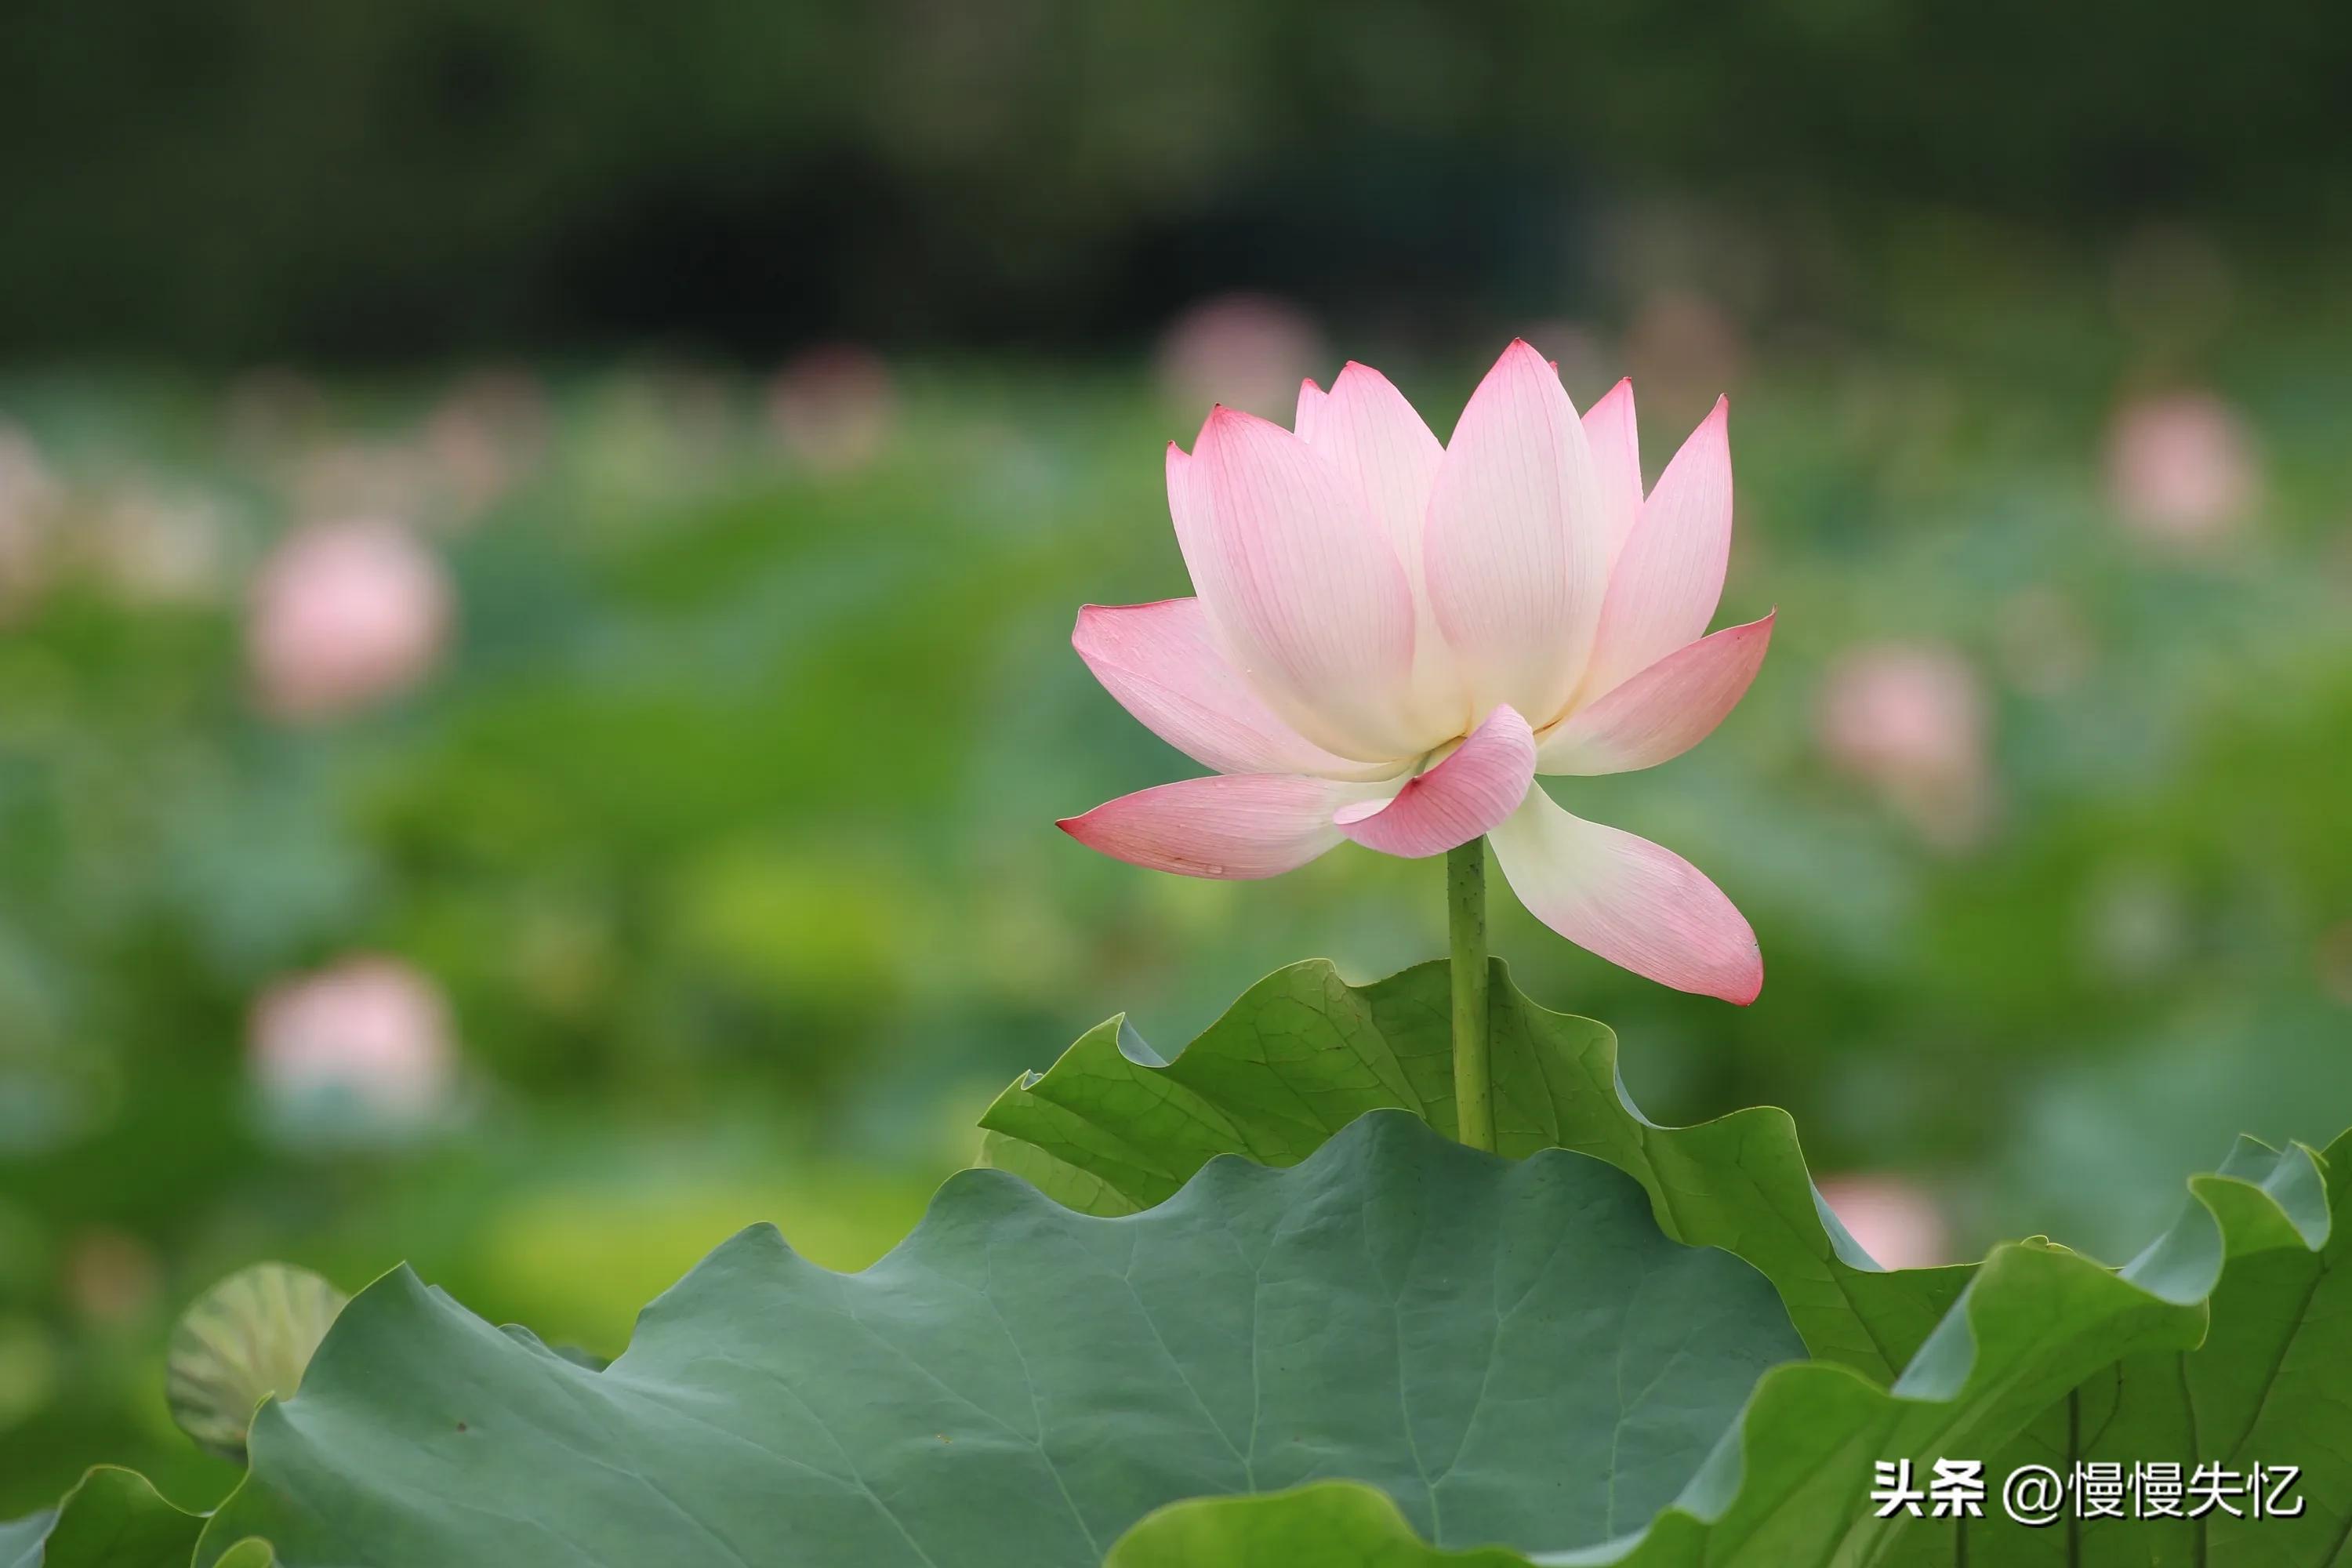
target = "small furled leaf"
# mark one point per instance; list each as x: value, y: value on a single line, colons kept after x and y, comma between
x: 2042, y: 1335
x: 1508, y: 1349
x: 246, y: 1340
x: 1113, y: 1127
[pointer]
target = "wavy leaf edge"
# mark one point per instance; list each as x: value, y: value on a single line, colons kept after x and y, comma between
x: 2261, y: 1200
x: 1044, y: 1127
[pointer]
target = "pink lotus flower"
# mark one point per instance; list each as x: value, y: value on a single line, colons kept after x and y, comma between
x: 1393, y: 637
x: 1896, y: 1220
x: 343, y: 615
x: 2182, y: 468
x: 1241, y: 350
x: 834, y: 408
x: 1911, y: 719
x: 366, y: 1043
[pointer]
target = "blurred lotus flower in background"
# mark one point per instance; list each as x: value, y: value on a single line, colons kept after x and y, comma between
x: 485, y: 436
x: 1911, y: 720
x: 111, y: 1277
x: 1393, y: 637
x: 1895, y: 1219
x: 360, y: 1051
x: 350, y: 477
x: 344, y: 615
x: 1243, y: 350
x: 155, y: 549
x: 30, y: 500
x: 2333, y: 960
x: 2181, y: 468
x: 1582, y: 358
x: 834, y: 408
x: 1685, y: 346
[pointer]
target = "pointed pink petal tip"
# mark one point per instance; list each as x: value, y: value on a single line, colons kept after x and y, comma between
x: 1665, y: 710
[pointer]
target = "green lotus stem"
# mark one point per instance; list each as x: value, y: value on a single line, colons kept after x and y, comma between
x: 1465, y: 921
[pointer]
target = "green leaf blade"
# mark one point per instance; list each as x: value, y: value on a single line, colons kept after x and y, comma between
x: 1510, y: 1350
x: 2049, y: 1358
x: 1303, y: 1053
x: 113, y: 1518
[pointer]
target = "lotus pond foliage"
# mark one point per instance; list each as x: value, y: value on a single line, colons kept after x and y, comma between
x: 1393, y: 1273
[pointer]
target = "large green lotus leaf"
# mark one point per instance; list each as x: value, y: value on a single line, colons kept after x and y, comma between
x: 1114, y: 1127
x: 21, y: 1539
x: 112, y: 1519
x: 2271, y: 1385
x: 1330, y: 1524
x: 2039, y: 1333
x: 1510, y: 1349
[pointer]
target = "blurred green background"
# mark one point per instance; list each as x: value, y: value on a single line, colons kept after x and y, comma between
x: 537, y: 546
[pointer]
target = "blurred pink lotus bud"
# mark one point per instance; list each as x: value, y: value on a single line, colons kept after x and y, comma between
x: 111, y: 1277
x: 362, y: 478
x: 1910, y: 720
x: 1244, y: 350
x: 2332, y: 959
x: 30, y: 500
x: 363, y: 1047
x: 1683, y: 349
x: 344, y: 614
x: 155, y: 549
x: 2181, y: 468
x: 1585, y: 362
x: 485, y: 436
x: 1894, y: 1218
x: 834, y: 408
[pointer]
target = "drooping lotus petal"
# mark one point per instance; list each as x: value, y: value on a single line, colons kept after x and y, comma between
x: 1610, y: 431
x: 1669, y: 577
x: 1310, y: 410
x: 1460, y: 798
x: 1514, y: 549
x: 1636, y: 904
x: 1368, y: 430
x: 1162, y: 663
x: 1302, y: 586
x: 1664, y: 711
x: 1233, y: 825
